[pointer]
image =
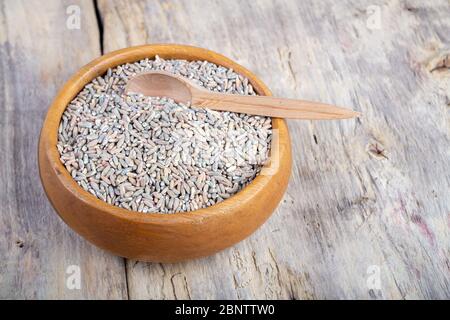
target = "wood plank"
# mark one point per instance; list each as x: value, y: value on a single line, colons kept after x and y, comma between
x: 36, y: 247
x: 367, y: 197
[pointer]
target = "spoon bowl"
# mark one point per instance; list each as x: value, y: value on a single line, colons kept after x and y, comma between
x: 161, y: 84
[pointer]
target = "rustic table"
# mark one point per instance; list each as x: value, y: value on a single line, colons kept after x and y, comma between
x: 367, y: 211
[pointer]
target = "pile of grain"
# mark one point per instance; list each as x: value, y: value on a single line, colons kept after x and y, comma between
x: 151, y: 154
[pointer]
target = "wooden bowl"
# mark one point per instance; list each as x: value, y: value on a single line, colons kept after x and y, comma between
x: 159, y: 237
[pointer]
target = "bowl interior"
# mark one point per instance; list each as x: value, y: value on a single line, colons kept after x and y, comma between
x: 99, y: 67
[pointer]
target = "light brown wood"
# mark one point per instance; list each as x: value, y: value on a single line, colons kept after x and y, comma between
x: 164, y: 84
x: 37, y: 250
x: 159, y: 237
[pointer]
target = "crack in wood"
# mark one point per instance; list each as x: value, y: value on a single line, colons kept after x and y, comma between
x: 127, y: 283
x: 99, y: 20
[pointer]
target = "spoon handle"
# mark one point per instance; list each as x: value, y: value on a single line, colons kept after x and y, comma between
x: 270, y: 106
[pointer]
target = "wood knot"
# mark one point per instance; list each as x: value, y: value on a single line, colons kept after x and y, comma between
x: 439, y: 63
x: 377, y: 150
x: 411, y: 8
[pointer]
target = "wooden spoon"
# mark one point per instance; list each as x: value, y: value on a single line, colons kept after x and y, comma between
x: 180, y: 89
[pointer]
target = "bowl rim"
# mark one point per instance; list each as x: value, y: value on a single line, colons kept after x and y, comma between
x: 49, y: 133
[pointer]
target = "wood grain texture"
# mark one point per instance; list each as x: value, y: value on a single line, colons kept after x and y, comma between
x: 38, y: 53
x: 370, y: 192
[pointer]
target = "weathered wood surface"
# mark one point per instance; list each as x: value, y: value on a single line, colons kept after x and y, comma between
x: 365, y: 196
x: 37, y: 54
